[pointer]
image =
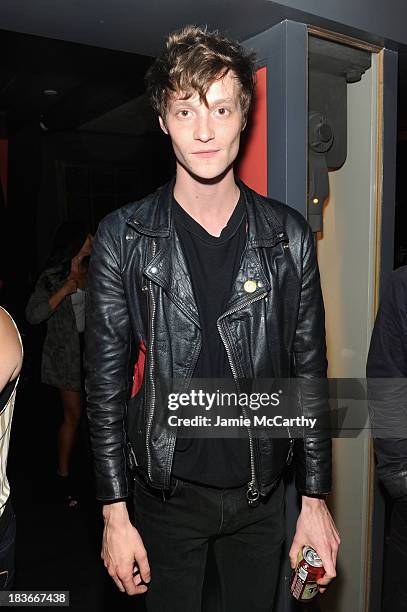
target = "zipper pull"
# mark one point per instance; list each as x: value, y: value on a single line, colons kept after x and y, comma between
x: 131, y: 457
x: 253, y: 495
x: 290, y: 452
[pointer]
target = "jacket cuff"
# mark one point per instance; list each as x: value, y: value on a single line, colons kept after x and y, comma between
x: 318, y: 482
x: 317, y: 487
x: 396, y: 484
x: 110, y: 489
x: 313, y: 466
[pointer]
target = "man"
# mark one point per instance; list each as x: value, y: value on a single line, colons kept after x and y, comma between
x: 216, y: 282
x: 387, y: 359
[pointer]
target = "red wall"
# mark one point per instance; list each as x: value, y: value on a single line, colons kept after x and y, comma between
x: 252, y: 167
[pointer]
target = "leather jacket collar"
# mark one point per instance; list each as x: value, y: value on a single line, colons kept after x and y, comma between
x: 168, y: 267
x: 154, y: 218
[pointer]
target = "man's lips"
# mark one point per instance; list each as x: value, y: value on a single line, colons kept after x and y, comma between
x: 209, y: 153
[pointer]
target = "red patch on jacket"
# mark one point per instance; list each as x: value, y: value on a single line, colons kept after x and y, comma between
x: 139, y: 369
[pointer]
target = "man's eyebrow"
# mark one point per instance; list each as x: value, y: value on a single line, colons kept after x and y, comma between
x: 221, y: 101
x: 183, y: 102
x: 187, y: 102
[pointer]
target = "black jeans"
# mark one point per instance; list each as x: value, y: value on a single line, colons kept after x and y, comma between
x: 395, y: 584
x: 176, y: 533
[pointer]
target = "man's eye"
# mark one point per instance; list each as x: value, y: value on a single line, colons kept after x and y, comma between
x: 223, y: 111
x: 183, y: 113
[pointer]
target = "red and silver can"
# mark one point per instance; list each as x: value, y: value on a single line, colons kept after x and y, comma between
x: 307, y: 571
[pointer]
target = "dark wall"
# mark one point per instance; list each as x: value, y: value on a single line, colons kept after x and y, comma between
x: 39, y: 202
x: 81, y: 173
x: 19, y: 230
x: 400, y: 236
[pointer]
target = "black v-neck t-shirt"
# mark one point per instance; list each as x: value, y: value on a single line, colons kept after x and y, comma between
x: 213, y: 263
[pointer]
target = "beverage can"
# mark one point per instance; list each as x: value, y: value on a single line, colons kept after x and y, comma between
x: 308, y: 570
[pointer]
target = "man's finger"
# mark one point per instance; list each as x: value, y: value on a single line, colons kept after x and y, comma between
x: 293, y: 554
x: 144, y: 567
x: 128, y: 583
x: 118, y: 583
x: 329, y: 568
x: 334, y: 554
x: 337, y: 535
x: 325, y: 580
x: 137, y: 579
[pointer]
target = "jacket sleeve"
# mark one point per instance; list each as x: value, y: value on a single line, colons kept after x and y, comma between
x: 312, y: 454
x: 38, y: 308
x: 387, y: 359
x: 107, y: 345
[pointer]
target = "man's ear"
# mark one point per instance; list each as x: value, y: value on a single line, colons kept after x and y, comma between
x: 244, y: 123
x: 162, y: 125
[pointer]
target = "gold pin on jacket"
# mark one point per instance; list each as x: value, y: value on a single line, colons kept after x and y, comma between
x: 250, y: 286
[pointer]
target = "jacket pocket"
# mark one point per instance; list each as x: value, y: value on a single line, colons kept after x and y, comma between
x: 276, y: 456
x: 136, y: 429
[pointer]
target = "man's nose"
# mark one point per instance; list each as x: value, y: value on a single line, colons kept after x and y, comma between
x: 203, y: 129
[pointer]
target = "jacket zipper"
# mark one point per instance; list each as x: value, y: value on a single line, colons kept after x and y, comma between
x: 151, y: 369
x: 252, y: 493
x: 151, y: 373
x: 290, y: 450
x: 172, y: 442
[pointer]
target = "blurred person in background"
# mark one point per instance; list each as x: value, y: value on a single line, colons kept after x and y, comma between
x: 59, y: 299
x: 11, y: 358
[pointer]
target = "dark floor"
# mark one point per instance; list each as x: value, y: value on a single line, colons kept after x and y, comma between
x: 57, y: 548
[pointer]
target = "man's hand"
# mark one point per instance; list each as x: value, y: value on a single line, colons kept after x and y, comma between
x: 316, y: 528
x: 123, y: 551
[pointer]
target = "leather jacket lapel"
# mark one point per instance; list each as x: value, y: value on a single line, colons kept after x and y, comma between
x: 169, y: 270
x: 250, y: 282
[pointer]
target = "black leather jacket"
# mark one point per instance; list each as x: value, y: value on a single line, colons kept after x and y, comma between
x: 139, y: 290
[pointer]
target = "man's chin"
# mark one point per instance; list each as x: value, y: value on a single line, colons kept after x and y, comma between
x: 207, y: 175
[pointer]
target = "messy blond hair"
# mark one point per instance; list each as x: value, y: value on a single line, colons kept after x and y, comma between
x: 193, y: 59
